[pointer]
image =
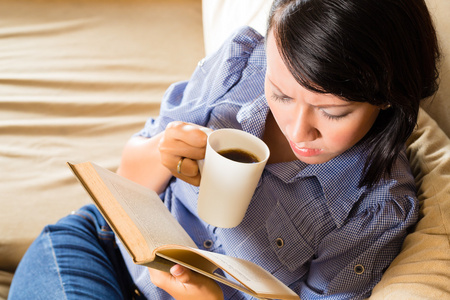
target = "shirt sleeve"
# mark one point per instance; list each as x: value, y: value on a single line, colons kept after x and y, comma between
x: 352, y: 258
x: 192, y: 101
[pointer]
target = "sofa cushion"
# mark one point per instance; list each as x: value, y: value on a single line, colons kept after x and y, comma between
x: 79, y: 77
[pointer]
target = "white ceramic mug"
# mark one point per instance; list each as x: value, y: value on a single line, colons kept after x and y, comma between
x: 227, y: 186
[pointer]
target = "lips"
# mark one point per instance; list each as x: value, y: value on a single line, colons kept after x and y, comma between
x: 305, y: 152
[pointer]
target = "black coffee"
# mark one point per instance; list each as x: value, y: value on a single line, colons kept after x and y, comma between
x: 239, y: 155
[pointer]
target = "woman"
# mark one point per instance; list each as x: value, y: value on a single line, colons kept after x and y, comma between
x: 334, y: 91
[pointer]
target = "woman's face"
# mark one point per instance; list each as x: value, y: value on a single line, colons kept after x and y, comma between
x: 317, y: 126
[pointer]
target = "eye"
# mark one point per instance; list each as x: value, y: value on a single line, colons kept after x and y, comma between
x: 333, y: 116
x: 279, y: 98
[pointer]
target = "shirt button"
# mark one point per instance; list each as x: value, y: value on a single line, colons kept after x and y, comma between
x: 208, y: 244
x: 279, y: 242
x: 359, y: 269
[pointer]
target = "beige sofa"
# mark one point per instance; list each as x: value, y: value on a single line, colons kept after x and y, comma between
x: 78, y: 77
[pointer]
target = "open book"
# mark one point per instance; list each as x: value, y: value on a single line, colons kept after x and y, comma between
x: 154, y: 238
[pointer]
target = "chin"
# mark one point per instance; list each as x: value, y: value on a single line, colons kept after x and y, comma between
x: 315, y: 160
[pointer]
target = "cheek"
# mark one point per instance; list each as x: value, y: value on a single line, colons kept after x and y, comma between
x: 343, y: 136
x: 280, y: 114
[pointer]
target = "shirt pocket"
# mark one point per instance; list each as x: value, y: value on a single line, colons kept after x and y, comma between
x: 291, y: 248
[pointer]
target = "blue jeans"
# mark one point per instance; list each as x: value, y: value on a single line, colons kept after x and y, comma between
x: 76, y: 258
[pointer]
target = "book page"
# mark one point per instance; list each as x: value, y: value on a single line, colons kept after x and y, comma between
x: 147, y: 211
x: 249, y: 277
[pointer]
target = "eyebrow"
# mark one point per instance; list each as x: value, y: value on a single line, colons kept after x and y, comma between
x: 278, y: 90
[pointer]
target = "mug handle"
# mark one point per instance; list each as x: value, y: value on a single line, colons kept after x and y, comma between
x: 201, y: 162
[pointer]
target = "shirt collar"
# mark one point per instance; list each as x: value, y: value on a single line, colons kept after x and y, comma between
x: 339, y: 179
x: 252, y: 116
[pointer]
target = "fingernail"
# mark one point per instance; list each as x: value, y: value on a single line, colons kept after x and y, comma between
x: 176, y: 270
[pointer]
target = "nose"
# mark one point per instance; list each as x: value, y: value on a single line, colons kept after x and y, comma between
x: 303, y: 127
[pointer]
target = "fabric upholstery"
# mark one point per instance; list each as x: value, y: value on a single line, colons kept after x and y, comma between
x: 77, y: 79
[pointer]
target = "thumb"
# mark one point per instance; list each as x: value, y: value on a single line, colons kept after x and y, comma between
x: 196, y: 284
x: 182, y: 274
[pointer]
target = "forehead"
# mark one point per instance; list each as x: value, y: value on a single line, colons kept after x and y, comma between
x: 272, y: 53
x: 275, y: 64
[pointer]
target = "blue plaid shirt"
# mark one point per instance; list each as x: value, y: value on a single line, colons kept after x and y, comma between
x: 309, y: 225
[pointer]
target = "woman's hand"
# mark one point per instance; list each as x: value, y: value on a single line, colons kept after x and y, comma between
x: 184, y: 284
x: 183, y: 141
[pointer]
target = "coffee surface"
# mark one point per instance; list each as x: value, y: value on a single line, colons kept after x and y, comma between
x: 239, y: 155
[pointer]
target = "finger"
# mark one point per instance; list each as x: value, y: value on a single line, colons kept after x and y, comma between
x: 187, y: 167
x: 174, y: 149
x: 159, y: 278
x: 174, y: 144
x: 192, y: 134
x: 182, y: 283
x: 182, y: 274
x: 188, y: 278
x: 183, y: 140
x: 193, y: 180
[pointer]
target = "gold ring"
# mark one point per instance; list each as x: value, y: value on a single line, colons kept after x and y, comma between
x: 179, y: 165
